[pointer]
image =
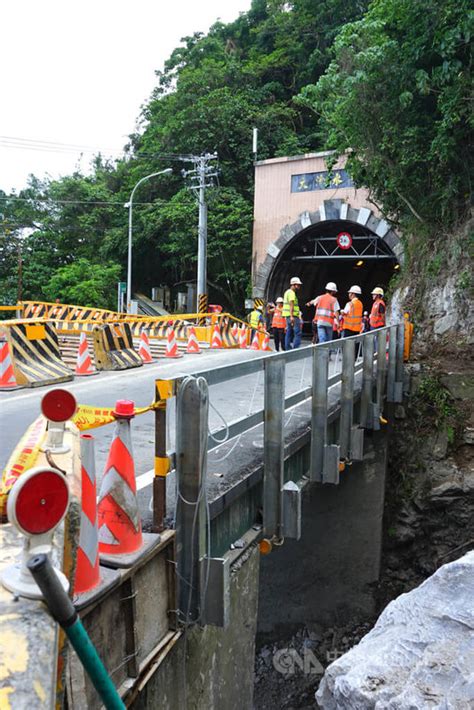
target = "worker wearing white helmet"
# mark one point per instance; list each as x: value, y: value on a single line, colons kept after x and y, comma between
x: 291, y: 311
x: 279, y: 325
x: 326, y: 314
x: 353, y: 310
x: 377, y: 314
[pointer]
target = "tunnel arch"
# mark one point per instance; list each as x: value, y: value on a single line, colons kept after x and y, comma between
x: 290, y: 255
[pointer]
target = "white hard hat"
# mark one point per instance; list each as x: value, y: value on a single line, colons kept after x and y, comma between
x: 377, y: 291
x: 331, y: 286
x: 355, y: 289
x: 295, y: 280
x: 259, y: 308
x: 279, y: 300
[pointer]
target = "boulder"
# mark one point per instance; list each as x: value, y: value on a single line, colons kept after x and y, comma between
x: 420, y: 653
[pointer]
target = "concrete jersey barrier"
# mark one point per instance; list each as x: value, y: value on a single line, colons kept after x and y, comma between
x: 35, y: 353
x: 113, y: 347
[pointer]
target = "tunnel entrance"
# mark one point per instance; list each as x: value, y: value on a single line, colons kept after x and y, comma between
x: 315, y: 256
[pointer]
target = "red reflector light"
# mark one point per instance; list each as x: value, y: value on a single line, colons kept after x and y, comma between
x: 58, y: 405
x: 42, y: 502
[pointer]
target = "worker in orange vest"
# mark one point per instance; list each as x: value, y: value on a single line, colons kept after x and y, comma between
x: 377, y: 314
x: 353, y: 310
x: 279, y: 325
x: 327, y: 309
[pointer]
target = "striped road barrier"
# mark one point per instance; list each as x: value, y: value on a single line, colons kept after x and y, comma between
x: 113, y: 347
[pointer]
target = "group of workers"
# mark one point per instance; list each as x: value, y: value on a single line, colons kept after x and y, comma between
x: 329, y: 321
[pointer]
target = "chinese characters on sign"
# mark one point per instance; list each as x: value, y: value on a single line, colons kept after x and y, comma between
x: 326, y: 180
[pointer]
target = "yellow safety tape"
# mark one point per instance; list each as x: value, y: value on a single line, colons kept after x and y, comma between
x: 23, y: 457
x: 89, y: 417
x: 162, y: 465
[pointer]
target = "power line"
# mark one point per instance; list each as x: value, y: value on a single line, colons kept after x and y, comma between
x: 70, y: 202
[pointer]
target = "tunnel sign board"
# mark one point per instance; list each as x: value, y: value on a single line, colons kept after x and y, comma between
x: 344, y: 240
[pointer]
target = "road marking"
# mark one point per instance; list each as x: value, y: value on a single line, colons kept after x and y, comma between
x: 145, y: 479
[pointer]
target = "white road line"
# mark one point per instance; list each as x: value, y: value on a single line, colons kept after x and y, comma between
x: 145, y: 479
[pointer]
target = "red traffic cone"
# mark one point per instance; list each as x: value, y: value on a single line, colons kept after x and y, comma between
x: 87, y: 568
x: 84, y: 362
x: 235, y: 331
x: 171, y: 346
x: 193, y: 345
x: 266, y: 344
x: 243, y: 338
x: 255, y: 342
x: 7, y: 375
x: 144, y: 348
x: 216, y: 342
x: 120, y: 530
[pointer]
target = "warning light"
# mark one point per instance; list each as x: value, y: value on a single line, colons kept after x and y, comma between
x: 39, y: 501
x: 360, y: 262
x: 265, y: 546
x: 58, y: 405
x: 396, y: 267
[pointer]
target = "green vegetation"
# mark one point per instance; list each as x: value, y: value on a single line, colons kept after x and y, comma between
x: 391, y: 82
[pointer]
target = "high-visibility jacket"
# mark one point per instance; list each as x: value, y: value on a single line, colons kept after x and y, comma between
x: 377, y: 314
x: 353, y: 318
x: 255, y: 319
x: 288, y: 296
x: 279, y: 321
x: 325, y: 309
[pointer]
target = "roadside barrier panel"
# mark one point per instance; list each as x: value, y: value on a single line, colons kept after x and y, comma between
x: 35, y: 353
x: 113, y: 347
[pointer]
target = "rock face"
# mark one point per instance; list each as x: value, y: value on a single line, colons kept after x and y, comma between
x: 420, y: 654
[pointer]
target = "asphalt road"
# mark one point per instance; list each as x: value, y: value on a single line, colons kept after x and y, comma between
x: 229, y: 401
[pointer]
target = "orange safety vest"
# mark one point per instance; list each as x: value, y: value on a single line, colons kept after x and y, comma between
x: 353, y: 319
x: 279, y: 321
x: 377, y: 319
x: 325, y: 309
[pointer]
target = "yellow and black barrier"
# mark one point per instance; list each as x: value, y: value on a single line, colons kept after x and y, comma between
x: 35, y: 353
x: 113, y: 347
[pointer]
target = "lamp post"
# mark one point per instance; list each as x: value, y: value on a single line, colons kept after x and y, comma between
x: 129, y: 204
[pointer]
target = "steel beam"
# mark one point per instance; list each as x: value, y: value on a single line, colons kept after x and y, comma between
x: 319, y: 412
x: 381, y: 367
x: 192, y: 415
x: 392, y: 362
x: 347, y: 396
x: 367, y: 381
x: 273, y: 477
x: 398, y: 394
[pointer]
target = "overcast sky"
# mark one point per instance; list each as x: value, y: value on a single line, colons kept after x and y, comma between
x: 78, y: 72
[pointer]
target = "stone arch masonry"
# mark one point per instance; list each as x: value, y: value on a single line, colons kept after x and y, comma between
x: 329, y: 210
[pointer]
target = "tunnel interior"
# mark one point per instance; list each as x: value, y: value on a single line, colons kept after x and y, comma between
x: 314, y: 256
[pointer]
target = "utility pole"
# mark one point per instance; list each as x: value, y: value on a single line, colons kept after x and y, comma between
x: 202, y: 177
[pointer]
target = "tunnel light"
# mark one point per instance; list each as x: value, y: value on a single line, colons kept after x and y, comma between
x: 360, y: 262
x: 396, y: 267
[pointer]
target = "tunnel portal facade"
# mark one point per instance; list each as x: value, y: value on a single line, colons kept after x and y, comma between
x: 300, y: 209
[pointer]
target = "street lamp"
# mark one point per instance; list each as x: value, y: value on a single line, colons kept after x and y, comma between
x: 129, y: 204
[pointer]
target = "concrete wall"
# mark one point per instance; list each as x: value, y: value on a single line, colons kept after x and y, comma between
x: 327, y: 574
x: 212, y: 667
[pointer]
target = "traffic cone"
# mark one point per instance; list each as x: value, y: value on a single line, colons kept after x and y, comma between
x: 255, y: 342
x: 171, y: 347
x: 144, y: 348
x: 7, y: 375
x: 235, y: 331
x: 266, y: 344
x: 87, y: 567
x: 120, y: 530
x: 193, y: 345
x: 243, y: 338
x: 84, y: 363
x: 216, y: 342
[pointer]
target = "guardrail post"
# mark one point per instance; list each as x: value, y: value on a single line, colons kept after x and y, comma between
x: 381, y: 366
x: 319, y: 412
x: 192, y: 414
x: 273, y: 479
x: 163, y: 391
x: 367, y: 382
x: 399, y: 364
x: 392, y: 361
x: 347, y: 396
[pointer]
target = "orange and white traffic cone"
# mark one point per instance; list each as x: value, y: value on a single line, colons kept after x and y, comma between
x: 87, y: 567
x: 235, y: 331
x: 255, y: 342
x: 144, y: 348
x: 193, y: 345
x: 7, y: 374
x: 120, y: 530
x: 243, y: 338
x: 171, y: 346
x: 84, y: 363
x: 266, y: 344
x: 216, y: 342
